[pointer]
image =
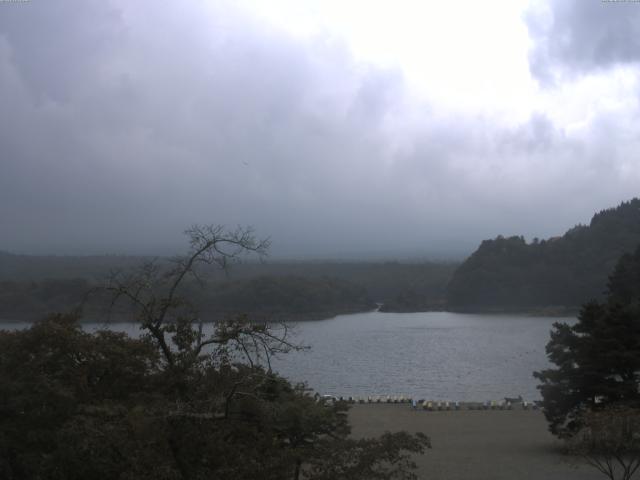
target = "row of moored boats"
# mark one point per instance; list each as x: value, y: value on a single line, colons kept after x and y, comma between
x: 430, y: 405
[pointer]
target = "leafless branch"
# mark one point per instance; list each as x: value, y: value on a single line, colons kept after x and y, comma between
x: 153, y: 292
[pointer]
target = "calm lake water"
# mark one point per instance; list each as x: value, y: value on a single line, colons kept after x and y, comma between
x: 434, y: 355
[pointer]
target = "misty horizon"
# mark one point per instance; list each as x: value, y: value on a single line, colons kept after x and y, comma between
x: 403, y: 130
x: 278, y: 254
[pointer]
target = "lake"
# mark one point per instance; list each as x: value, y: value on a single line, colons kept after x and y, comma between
x: 433, y: 355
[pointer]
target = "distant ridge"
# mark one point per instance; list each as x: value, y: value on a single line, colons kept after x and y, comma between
x: 18, y: 267
x: 511, y: 274
x: 31, y: 286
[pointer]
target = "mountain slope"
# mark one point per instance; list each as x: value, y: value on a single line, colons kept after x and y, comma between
x: 510, y: 274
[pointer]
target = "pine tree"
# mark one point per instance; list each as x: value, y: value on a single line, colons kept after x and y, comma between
x: 597, y: 358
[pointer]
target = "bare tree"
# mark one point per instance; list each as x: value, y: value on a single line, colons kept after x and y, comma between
x: 179, y: 403
x: 610, y: 441
x: 153, y: 292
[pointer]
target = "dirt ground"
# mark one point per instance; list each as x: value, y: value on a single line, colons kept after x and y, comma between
x: 477, y: 445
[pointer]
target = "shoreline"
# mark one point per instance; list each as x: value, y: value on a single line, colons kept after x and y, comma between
x: 318, y: 316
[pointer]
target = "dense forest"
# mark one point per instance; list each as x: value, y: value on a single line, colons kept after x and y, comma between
x: 505, y: 274
x: 283, y: 297
x: 30, y: 300
x: 32, y: 286
x: 176, y: 403
x: 265, y: 298
x: 556, y: 274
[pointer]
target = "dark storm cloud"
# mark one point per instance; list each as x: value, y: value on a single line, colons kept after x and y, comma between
x: 125, y: 122
x: 583, y: 35
x: 124, y: 135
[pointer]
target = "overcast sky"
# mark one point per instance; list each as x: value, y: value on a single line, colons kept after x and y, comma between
x: 338, y: 128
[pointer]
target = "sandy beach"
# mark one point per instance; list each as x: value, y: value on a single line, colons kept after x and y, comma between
x: 477, y: 445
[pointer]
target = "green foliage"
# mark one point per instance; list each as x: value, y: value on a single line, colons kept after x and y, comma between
x: 76, y: 405
x: 567, y: 271
x: 55, y: 380
x: 598, y: 358
x: 176, y: 403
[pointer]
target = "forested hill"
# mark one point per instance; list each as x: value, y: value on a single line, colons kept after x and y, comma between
x: 511, y: 274
x: 38, y: 267
x: 31, y: 286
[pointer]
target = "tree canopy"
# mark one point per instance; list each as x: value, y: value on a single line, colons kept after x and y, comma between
x: 31, y: 287
x: 567, y: 271
x: 176, y: 403
x: 597, y: 358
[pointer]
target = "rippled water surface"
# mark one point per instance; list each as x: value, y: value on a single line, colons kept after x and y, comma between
x: 435, y: 355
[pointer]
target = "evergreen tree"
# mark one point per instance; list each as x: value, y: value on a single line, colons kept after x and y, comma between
x: 598, y: 358
x: 508, y: 273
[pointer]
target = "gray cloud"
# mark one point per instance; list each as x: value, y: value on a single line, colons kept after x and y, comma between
x: 124, y: 123
x: 582, y: 36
